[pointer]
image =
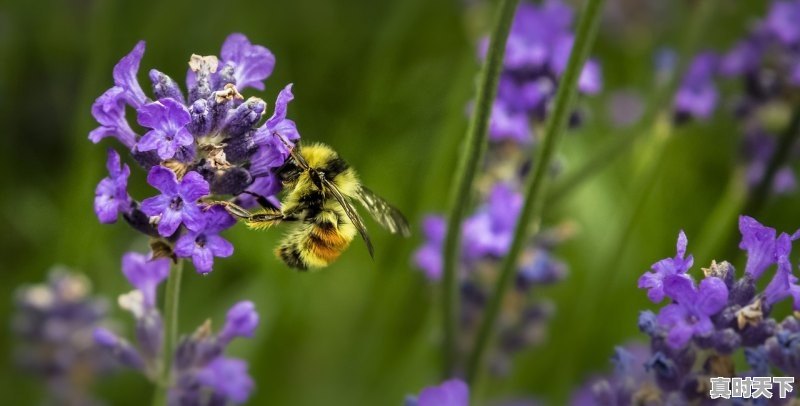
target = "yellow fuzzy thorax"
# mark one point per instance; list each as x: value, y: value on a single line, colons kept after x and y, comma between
x: 318, y: 155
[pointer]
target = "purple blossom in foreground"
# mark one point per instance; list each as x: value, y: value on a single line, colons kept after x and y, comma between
x: 203, y: 246
x: 177, y: 203
x: 208, y: 140
x: 453, y: 392
x: 52, y: 325
x: 706, y: 326
x: 677, y: 266
x: 201, y: 374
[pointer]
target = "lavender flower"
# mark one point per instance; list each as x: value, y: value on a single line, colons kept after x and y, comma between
x: 679, y: 265
x: 203, y: 246
x: 206, y: 141
x: 697, y: 95
x: 53, y: 324
x: 536, y: 56
x: 201, y: 373
x: 698, y: 335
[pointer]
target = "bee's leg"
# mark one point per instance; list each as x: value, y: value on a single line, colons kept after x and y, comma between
x: 262, y: 201
x: 261, y: 219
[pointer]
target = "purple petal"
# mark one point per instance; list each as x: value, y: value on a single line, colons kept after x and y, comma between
x: 712, y: 296
x: 125, y: 75
x: 219, y: 246
x: 164, y: 180
x: 759, y: 242
x: 782, y: 21
x: 193, y: 187
x: 203, y: 259
x: 169, y: 222
x: 192, y: 217
x: 281, y: 107
x: 429, y: 259
x: 218, y: 219
x: 252, y: 63
x: 680, y: 288
x: 591, y: 79
x: 184, y: 247
x: 653, y: 282
x: 145, y: 274
x: 154, y: 206
x: 434, y: 228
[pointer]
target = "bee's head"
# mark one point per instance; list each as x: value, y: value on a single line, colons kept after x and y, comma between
x: 289, y: 172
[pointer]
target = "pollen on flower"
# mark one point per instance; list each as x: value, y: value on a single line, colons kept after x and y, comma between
x: 198, y: 63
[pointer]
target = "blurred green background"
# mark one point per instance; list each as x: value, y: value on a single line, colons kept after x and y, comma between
x: 386, y: 83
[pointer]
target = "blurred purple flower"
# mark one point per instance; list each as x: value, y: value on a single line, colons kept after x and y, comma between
x: 782, y: 21
x: 241, y: 321
x: 145, y: 274
x: 453, y: 392
x: 697, y: 95
x: 228, y: 377
x: 429, y: 256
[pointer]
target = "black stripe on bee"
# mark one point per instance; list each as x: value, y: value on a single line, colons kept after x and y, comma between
x: 291, y: 257
x: 334, y: 167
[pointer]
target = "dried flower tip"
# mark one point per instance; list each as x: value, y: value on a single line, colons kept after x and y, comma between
x: 750, y: 314
x: 199, y: 63
x: 228, y: 93
x: 162, y: 249
x: 720, y: 270
x: 203, y: 332
x: 180, y: 168
x: 38, y: 296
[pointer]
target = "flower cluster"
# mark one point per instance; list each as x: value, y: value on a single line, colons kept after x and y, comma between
x: 766, y: 64
x: 536, y: 55
x: 537, y: 51
x: 53, y: 323
x: 205, y: 142
x: 201, y: 373
x: 696, y: 335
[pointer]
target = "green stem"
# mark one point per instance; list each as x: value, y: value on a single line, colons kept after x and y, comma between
x: 531, y: 210
x: 171, y: 300
x: 475, y: 144
x: 662, y: 97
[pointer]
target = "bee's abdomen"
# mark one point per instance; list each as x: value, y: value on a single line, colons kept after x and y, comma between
x: 319, y: 244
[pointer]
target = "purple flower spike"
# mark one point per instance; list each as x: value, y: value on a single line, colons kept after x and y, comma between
x: 109, y: 111
x: 111, y: 195
x: 241, y: 321
x: 251, y: 63
x: 782, y: 21
x: 679, y: 265
x: 167, y: 119
x: 204, y: 245
x: 508, y: 124
x: 697, y: 95
x: 429, y: 256
x: 453, y: 392
x: 690, y: 314
x: 759, y: 242
x: 125, y: 76
x: 177, y: 202
x: 228, y: 378
x: 145, y: 274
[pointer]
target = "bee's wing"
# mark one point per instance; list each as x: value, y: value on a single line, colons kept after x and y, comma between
x: 351, y: 213
x: 383, y: 212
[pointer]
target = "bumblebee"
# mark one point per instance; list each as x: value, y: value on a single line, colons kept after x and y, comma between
x: 319, y: 188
